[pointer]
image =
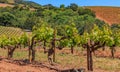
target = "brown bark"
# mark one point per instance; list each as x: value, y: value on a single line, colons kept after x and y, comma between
x: 52, y: 50
x: 44, y: 47
x: 33, y: 54
x: 91, y: 47
x: 113, y: 51
x: 11, y: 51
x: 54, y: 45
x: 89, y: 59
x: 29, y: 54
x: 31, y: 50
x: 8, y: 53
x: 103, y: 48
x: 54, y: 56
x: 72, y: 49
x: 50, y: 53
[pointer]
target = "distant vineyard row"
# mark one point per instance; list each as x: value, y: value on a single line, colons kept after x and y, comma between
x: 10, y: 31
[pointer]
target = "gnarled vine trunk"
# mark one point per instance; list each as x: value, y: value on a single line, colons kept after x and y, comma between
x: 33, y: 54
x: 44, y: 47
x: 103, y: 48
x: 72, y: 49
x: 54, y: 47
x: 31, y: 50
x: 50, y: 53
x: 113, y: 51
x: 11, y: 50
x: 91, y: 47
x: 89, y: 59
x: 29, y: 54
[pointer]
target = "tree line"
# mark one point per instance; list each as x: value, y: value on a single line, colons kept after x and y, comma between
x: 23, y: 17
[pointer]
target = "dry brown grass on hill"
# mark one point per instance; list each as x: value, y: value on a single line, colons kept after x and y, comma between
x: 110, y: 15
x: 5, y: 5
x: 10, y: 5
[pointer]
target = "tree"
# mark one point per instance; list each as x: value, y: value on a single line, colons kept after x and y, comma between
x: 73, y: 36
x: 31, y: 21
x: 18, y: 1
x: 62, y: 6
x: 7, y: 19
x: 84, y: 23
x: 49, y: 6
x: 94, y: 40
x: 3, y: 1
x: 99, y: 23
x: 41, y: 33
x: 115, y: 37
x: 83, y: 11
x: 11, y: 43
x: 73, y: 6
x: 115, y: 28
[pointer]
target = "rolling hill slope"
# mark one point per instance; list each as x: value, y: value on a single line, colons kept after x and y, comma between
x: 110, y: 15
x: 10, y: 31
x: 7, y: 1
x: 11, y: 1
x: 5, y: 5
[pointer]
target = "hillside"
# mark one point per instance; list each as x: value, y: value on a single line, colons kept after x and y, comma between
x: 110, y: 15
x: 5, y: 5
x: 10, y: 31
x: 11, y: 1
x: 7, y: 1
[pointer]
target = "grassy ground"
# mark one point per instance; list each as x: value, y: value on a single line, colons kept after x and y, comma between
x: 67, y: 60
